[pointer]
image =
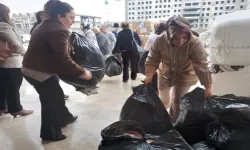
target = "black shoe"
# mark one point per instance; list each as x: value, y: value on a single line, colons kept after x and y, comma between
x: 57, y: 138
x: 124, y: 81
x: 66, y: 97
x: 73, y: 119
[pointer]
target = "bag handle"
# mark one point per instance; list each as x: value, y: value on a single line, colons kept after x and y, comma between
x: 132, y: 34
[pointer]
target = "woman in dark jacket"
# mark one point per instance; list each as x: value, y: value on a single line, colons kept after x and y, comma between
x: 129, y: 56
x: 48, y: 56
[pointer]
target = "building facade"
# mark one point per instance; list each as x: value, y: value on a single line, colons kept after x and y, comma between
x: 200, y: 13
x: 248, y: 4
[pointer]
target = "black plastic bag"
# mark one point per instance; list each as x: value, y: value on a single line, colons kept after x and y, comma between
x: 145, y: 107
x: 85, y: 54
x: 217, y: 134
x: 128, y: 135
x: 171, y: 140
x: 113, y: 66
x: 202, y: 146
x: 193, y: 118
x: 124, y: 135
x: 240, y: 140
x: 142, y: 62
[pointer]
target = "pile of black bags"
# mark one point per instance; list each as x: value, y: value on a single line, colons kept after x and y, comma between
x: 216, y: 123
x: 128, y: 135
x: 113, y: 66
x: 222, y: 121
x: 87, y: 55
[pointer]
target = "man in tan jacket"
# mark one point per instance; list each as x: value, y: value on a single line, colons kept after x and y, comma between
x: 180, y: 58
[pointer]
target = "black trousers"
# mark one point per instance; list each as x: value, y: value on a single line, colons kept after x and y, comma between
x: 54, y: 112
x: 130, y: 59
x: 10, y: 82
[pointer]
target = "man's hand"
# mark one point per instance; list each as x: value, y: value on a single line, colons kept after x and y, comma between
x: 208, y: 91
x: 86, y: 76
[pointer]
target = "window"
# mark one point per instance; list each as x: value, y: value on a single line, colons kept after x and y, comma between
x: 139, y: 12
x: 129, y: 3
x: 201, y: 20
x: 220, y: 13
x: 227, y: 7
x: 206, y: 20
x: 149, y: 16
x: 217, y: 2
x: 204, y: 3
x: 147, y: 7
x: 150, y: 7
x: 206, y: 25
x: 133, y: 13
x: 179, y: 5
x: 129, y: 9
x: 129, y: 17
x: 159, y: 16
x: 129, y: 13
x: 234, y: 1
x: 160, y: 6
x: 142, y: 2
x: 146, y: 12
x: 159, y: 11
x: 146, y: 2
x: 142, y: 13
x: 139, y: 3
x: 146, y: 17
x: 216, y: 8
x: 156, y: 12
x: 165, y: 6
x: 174, y: 10
x: 208, y: 8
x: 241, y: 7
x: 155, y: 16
x: 179, y: 10
x: 164, y: 11
x: 168, y: 6
x: 200, y: 25
x: 164, y: 16
x: 207, y: 14
x: 228, y: 1
x: 133, y: 8
x: 156, y: 1
x: 139, y: 8
x: 160, y: 1
x: 150, y: 2
x: 215, y: 14
x: 168, y: 11
x: 188, y: 4
x: 175, y: 5
x: 222, y: 2
x: 202, y: 15
x: 155, y: 6
x: 221, y: 8
x: 168, y: 0
x: 165, y: 1
x: 139, y: 18
x: 209, y: 3
x: 203, y: 8
x: 195, y: 3
x: 242, y: 0
x: 232, y: 7
x: 133, y: 17
x: 175, y: 0
x: 142, y: 7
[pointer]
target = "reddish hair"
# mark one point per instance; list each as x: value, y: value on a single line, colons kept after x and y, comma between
x: 4, y: 13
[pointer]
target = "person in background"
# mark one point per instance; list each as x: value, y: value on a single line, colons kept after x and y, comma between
x: 110, y: 36
x: 40, y: 17
x: 102, y: 41
x: 160, y: 28
x: 48, y: 56
x: 11, y: 76
x: 89, y: 34
x: 182, y: 58
x: 129, y: 56
x: 116, y: 29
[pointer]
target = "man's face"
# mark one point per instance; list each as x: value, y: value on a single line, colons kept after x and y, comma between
x: 68, y: 19
x: 103, y: 30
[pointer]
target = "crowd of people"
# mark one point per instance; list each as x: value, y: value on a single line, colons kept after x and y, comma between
x: 174, y: 50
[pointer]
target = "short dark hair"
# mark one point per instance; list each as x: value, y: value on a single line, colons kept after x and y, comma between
x: 116, y: 25
x: 38, y: 16
x: 125, y: 25
x: 4, y: 13
x: 53, y: 8
x: 161, y: 27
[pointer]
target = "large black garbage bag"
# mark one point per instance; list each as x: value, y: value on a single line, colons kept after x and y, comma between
x: 145, y: 107
x: 202, y: 146
x: 85, y: 54
x: 128, y: 135
x: 142, y: 62
x: 113, y: 66
x: 124, y: 135
x: 171, y: 140
x: 193, y: 118
x: 240, y: 140
x: 217, y: 134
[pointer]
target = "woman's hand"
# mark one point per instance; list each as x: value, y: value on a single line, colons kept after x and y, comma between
x: 148, y: 79
x: 86, y: 76
x: 5, y: 50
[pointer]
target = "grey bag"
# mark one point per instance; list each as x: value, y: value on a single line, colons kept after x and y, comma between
x: 136, y: 47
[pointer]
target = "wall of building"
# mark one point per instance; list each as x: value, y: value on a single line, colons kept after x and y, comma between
x: 200, y: 13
